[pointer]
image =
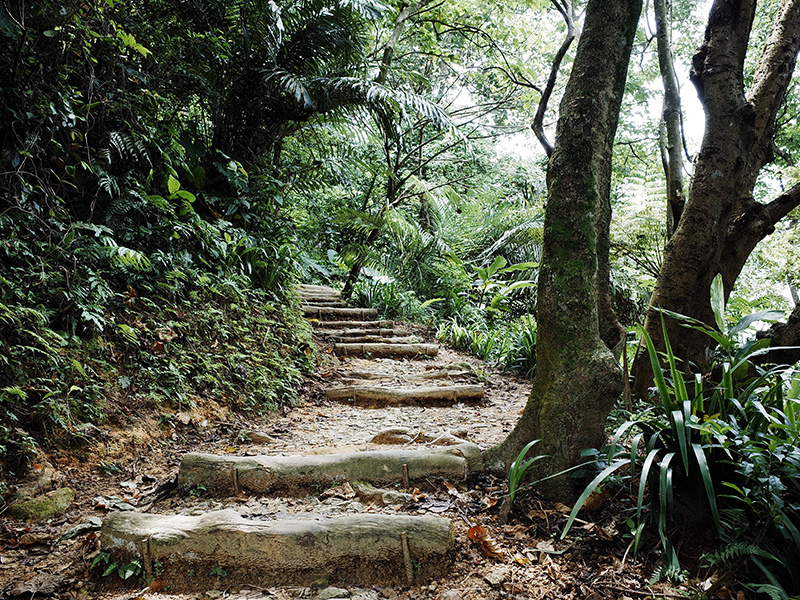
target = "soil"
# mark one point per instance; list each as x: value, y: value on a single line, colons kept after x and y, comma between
x: 137, y: 458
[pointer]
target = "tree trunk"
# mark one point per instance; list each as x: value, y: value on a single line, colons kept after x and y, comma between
x: 577, y: 378
x: 721, y: 222
x: 672, y: 157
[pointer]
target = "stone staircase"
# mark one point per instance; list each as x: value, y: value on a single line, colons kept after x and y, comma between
x: 379, y: 365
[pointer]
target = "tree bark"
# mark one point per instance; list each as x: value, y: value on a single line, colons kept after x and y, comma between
x: 672, y: 157
x: 721, y: 222
x: 577, y: 378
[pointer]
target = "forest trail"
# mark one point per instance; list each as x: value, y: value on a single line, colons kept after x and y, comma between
x: 366, y: 490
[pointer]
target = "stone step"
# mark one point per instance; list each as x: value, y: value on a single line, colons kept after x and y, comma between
x: 375, y: 339
x: 356, y: 374
x: 331, y: 313
x: 374, y: 396
x: 331, y: 301
x: 306, y: 289
x: 294, y: 475
x: 192, y: 552
x: 386, y: 350
x: 320, y: 325
x: 364, y: 331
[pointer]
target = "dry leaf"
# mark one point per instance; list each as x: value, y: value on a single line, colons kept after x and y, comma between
x: 537, y: 514
x: 522, y: 560
x: 489, y: 502
x: 165, y: 334
x: 488, y: 544
x: 562, y: 508
x: 451, y: 489
x: 593, y: 502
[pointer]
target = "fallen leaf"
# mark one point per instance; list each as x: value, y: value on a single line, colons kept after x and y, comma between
x: 344, y: 491
x: 488, y: 544
x: 521, y: 559
x: 594, y: 502
x: 489, y: 502
x: 451, y: 489
x: 562, y: 508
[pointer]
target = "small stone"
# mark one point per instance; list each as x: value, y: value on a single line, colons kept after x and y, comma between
x: 447, y: 440
x: 393, y: 435
x: 449, y: 595
x: 259, y: 437
x: 363, y: 594
x: 390, y: 497
x: 213, y: 594
x: 497, y: 576
x: 390, y: 594
x: 50, y: 505
x: 332, y: 592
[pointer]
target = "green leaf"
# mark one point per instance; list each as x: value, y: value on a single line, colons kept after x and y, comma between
x: 496, y: 265
x: 173, y: 185
x: 705, y: 473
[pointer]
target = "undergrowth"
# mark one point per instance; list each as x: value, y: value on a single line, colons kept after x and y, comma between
x: 231, y: 344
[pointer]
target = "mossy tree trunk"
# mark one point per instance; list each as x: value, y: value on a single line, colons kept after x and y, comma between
x: 577, y: 378
x: 722, y: 223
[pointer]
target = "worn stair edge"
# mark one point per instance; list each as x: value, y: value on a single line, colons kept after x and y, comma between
x: 320, y: 290
x: 319, y: 325
x: 328, y: 302
x: 386, y: 350
x: 366, y: 549
x: 351, y: 333
x: 375, y: 339
x: 321, y: 312
x: 363, y: 395
x: 355, y: 375
x: 228, y: 475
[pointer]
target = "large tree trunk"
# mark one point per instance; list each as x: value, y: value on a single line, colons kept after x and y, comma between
x: 577, y: 378
x: 721, y: 222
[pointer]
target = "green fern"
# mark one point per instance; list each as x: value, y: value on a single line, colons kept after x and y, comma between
x: 734, y: 551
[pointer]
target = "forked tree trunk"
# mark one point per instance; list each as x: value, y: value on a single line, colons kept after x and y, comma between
x: 577, y: 378
x: 721, y: 222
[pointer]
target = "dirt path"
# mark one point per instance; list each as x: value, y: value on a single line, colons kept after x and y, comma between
x: 524, y: 559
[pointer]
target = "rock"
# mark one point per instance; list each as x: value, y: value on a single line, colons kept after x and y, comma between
x: 447, y: 440
x: 449, y: 595
x: 47, y: 506
x: 332, y: 592
x: 390, y: 593
x: 362, y: 594
x: 393, y: 435
x: 369, y: 493
x: 497, y: 576
x: 258, y: 437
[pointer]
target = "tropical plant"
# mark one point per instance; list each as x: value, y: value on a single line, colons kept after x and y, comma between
x: 727, y: 458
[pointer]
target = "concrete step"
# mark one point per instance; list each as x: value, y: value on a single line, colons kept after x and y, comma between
x: 197, y: 552
x: 386, y: 350
x: 374, y: 396
x: 333, y: 314
x: 296, y: 475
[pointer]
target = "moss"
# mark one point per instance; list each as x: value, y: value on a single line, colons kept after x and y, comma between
x: 47, y: 506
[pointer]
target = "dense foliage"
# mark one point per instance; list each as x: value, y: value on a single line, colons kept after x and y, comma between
x: 170, y: 169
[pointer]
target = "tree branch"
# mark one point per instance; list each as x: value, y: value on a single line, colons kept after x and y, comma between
x: 567, y: 11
